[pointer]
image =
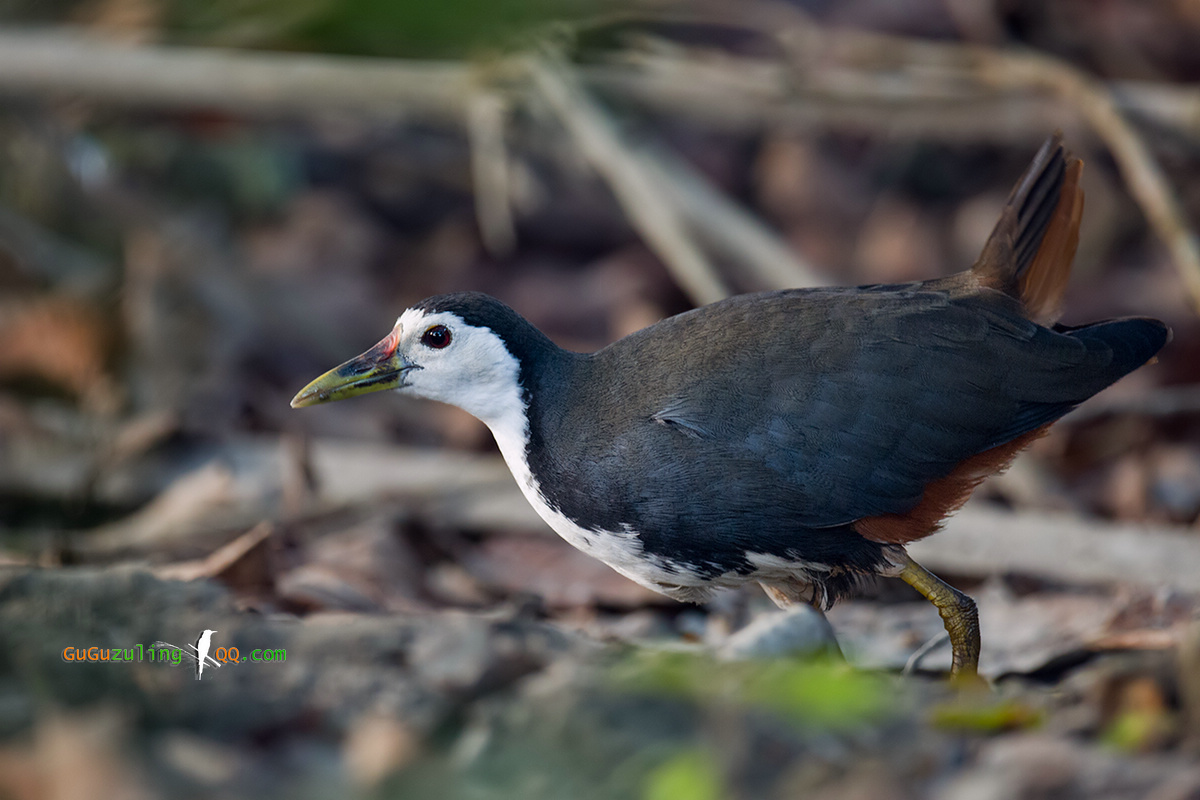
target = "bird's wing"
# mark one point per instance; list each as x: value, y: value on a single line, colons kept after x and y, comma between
x: 858, y: 413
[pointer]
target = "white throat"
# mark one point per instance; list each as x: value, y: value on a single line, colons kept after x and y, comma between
x: 510, y: 428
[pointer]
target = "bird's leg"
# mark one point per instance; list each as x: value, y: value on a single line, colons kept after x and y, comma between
x: 958, y: 613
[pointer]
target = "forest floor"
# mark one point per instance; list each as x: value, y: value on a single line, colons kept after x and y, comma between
x: 390, y: 618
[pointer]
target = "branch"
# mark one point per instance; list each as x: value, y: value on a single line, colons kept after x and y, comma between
x: 628, y: 171
x: 721, y: 90
x: 58, y: 63
x: 730, y: 230
x: 486, y: 113
x: 1146, y: 181
x: 981, y: 541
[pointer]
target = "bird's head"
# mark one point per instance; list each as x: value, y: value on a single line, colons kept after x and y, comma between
x: 452, y: 348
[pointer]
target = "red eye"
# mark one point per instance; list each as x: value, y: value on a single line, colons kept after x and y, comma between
x: 436, y: 337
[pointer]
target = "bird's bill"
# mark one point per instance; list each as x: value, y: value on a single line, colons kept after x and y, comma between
x: 379, y: 368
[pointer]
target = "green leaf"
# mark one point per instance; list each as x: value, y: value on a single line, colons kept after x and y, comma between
x: 818, y: 692
x: 989, y: 717
x: 688, y: 775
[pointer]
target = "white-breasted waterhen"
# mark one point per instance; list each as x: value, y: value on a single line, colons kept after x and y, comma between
x: 797, y: 438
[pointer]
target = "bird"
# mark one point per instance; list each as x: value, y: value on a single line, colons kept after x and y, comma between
x: 796, y: 438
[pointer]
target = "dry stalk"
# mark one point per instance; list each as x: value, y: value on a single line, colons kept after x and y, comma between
x: 630, y: 176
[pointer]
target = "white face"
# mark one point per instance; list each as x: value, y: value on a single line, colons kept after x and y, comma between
x: 472, y: 369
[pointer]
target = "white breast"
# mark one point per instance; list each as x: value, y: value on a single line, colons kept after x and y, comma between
x: 622, y: 550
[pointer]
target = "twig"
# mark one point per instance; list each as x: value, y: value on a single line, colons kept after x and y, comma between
x: 486, y: 112
x: 629, y: 174
x: 243, y: 485
x: 982, y: 541
x: 940, y: 639
x: 740, y: 92
x: 725, y: 90
x: 1145, y: 179
x: 730, y: 230
x: 1174, y: 107
x: 58, y: 63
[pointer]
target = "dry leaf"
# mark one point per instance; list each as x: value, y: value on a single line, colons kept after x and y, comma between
x: 555, y: 571
x: 235, y: 555
x: 376, y: 746
x: 61, y: 341
x: 161, y: 521
x: 365, y: 568
x: 72, y: 757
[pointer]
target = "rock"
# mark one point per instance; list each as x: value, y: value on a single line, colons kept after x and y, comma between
x: 800, y: 630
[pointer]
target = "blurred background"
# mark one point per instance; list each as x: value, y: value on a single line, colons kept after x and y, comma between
x: 204, y: 206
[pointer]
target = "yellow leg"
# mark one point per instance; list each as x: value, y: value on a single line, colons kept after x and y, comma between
x: 958, y: 613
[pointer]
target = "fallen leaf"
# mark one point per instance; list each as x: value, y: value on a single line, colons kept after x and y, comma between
x: 376, y: 746
x: 367, y: 567
x: 62, y: 341
x: 168, y: 515
x: 226, y: 559
x: 553, y: 570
